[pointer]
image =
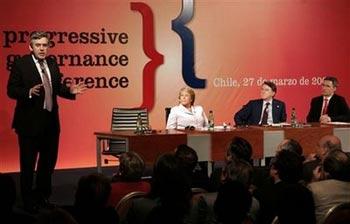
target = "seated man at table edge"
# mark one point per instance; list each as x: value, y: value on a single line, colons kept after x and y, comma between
x: 266, y: 110
x: 329, y: 106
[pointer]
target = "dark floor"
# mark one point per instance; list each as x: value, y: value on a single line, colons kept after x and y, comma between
x: 64, y: 184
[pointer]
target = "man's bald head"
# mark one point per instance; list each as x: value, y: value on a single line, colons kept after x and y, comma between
x: 327, y: 144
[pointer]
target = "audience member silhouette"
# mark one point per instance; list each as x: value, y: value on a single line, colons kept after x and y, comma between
x: 292, y: 145
x: 311, y: 166
x: 91, y: 199
x: 239, y: 148
x: 335, y: 188
x: 169, y: 199
x: 325, y: 145
x: 189, y: 160
x: 170, y: 184
x: 128, y: 178
x: 7, y: 200
x: 232, y: 203
x: 311, y: 171
x: 286, y: 194
x: 234, y: 171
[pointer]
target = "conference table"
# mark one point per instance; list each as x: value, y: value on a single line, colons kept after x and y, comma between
x: 212, y: 145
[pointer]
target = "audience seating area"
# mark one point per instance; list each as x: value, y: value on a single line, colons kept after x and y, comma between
x: 172, y: 186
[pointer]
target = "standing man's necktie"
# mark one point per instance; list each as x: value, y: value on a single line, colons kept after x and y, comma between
x: 47, y: 86
x: 325, y: 107
x: 265, y: 114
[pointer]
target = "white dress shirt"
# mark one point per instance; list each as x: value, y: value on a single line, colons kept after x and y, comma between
x: 181, y: 117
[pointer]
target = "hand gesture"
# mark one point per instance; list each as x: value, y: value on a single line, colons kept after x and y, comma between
x: 78, y: 88
x: 35, y: 90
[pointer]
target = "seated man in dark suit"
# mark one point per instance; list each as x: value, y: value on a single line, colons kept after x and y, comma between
x: 329, y: 106
x: 266, y: 110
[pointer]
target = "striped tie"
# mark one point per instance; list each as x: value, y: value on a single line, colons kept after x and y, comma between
x: 47, y: 86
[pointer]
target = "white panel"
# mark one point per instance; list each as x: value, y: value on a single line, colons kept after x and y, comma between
x: 271, y: 141
x: 201, y: 143
x: 344, y: 135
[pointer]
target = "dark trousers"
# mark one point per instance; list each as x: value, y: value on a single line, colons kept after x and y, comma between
x: 40, y: 152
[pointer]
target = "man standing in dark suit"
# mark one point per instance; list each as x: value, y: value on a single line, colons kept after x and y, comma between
x: 266, y: 110
x: 329, y: 106
x: 35, y: 82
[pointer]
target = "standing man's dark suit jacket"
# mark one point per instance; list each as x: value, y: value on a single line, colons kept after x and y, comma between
x: 251, y: 113
x: 29, y: 111
x: 338, y: 109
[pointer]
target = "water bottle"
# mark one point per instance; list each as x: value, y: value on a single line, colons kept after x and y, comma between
x: 211, y: 121
x: 293, y: 118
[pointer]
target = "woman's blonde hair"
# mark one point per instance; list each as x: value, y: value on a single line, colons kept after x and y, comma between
x: 189, y: 91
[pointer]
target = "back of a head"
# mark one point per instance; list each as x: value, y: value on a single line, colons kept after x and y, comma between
x: 289, y: 166
x: 232, y: 203
x: 7, y: 192
x: 332, y: 146
x: 238, y: 170
x: 171, y: 185
x: 241, y: 149
x: 329, y: 143
x: 187, y: 157
x: 168, y: 176
x: 336, y: 165
x: 292, y: 145
x: 131, y: 166
x: 93, y: 192
x: 308, y: 170
x: 166, y: 164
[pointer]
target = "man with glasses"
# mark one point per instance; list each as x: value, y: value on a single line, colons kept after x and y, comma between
x: 264, y: 111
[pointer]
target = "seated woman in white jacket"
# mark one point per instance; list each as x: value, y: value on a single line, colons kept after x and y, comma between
x: 187, y: 115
